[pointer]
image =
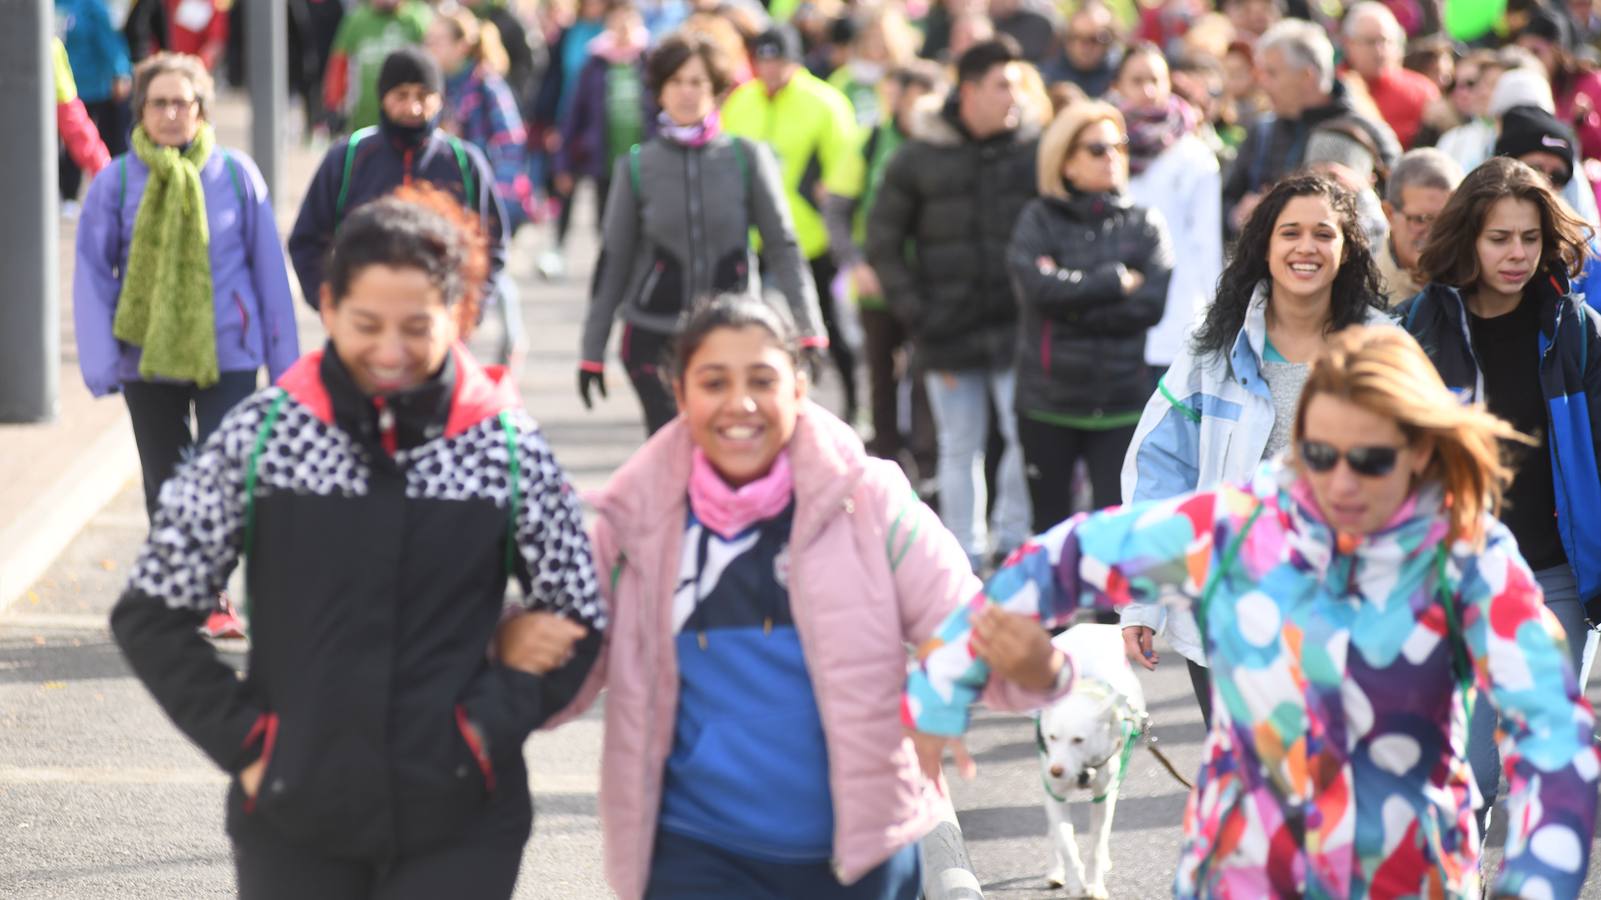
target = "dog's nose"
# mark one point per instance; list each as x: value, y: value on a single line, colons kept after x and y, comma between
x: 1056, y: 771
x: 1084, y: 777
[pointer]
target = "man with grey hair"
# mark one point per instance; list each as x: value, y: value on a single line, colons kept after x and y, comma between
x: 1296, y: 70
x: 1419, y: 187
x: 1374, y: 44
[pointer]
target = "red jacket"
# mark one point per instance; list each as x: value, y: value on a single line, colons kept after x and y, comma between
x: 1401, y: 96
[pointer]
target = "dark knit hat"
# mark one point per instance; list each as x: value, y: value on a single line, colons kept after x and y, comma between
x: 1526, y: 129
x: 410, y: 65
x: 778, y: 42
x: 1549, y: 24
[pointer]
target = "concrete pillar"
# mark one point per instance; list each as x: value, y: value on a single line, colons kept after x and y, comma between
x: 267, y: 76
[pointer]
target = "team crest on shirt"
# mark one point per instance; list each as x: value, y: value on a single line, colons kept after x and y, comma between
x: 781, y: 568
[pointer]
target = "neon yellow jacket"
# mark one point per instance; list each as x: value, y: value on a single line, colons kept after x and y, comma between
x: 811, y: 128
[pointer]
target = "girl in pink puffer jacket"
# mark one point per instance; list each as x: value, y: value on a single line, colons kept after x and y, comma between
x: 766, y: 578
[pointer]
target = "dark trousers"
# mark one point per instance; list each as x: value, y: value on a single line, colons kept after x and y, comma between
x: 1201, y: 683
x: 885, y: 335
x: 683, y: 868
x: 823, y: 273
x: 644, y: 355
x: 481, y: 865
x: 111, y: 120
x: 564, y: 218
x: 1051, y: 452
x: 166, y: 418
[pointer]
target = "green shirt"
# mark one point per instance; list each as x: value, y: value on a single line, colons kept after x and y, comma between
x: 625, y: 125
x: 366, y: 37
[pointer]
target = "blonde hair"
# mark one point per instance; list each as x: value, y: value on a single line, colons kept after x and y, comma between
x: 901, y: 40
x: 1061, y: 138
x: 1383, y: 370
x: 482, y: 38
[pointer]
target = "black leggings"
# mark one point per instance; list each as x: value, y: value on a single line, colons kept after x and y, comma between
x: 644, y: 355
x: 1051, y: 452
x: 164, y: 429
x: 823, y: 272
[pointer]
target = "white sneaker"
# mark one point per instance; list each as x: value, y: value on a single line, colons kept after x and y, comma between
x: 71, y: 210
x: 551, y: 265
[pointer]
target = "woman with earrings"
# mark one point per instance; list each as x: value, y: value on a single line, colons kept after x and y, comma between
x: 1302, y: 270
x: 1090, y: 270
x: 1500, y: 322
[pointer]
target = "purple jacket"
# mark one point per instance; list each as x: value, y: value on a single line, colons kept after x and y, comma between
x: 255, y: 312
x: 583, y: 130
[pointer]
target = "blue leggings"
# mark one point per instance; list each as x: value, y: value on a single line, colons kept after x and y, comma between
x: 1562, y: 598
x: 686, y: 869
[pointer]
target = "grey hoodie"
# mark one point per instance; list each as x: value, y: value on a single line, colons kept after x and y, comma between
x: 681, y: 232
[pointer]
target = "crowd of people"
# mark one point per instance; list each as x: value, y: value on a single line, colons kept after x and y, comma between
x: 1204, y: 264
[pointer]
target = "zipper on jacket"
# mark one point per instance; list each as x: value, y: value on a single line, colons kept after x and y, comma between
x: 1045, y: 347
x: 386, y: 426
x: 405, y: 167
x: 244, y: 316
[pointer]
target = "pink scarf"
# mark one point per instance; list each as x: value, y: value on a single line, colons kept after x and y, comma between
x: 696, y: 135
x: 728, y: 511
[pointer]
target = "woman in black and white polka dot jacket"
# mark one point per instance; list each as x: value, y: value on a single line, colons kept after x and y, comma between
x: 393, y: 486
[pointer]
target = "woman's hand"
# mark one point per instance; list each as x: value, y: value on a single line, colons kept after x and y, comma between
x: 537, y: 642
x: 250, y: 777
x: 931, y: 753
x: 1017, y: 649
x: 1137, y: 644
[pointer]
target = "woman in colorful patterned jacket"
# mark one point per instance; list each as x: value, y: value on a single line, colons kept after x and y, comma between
x: 384, y: 493
x: 1352, y: 601
x: 765, y: 577
x: 1502, y: 324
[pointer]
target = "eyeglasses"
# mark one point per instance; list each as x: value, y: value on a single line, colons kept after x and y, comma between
x: 1097, y: 38
x: 1372, y: 462
x: 1101, y: 149
x: 1465, y: 84
x: 172, y: 104
x: 1419, y: 220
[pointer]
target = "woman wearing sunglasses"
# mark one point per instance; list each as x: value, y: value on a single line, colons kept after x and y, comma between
x: 1502, y: 325
x: 1301, y: 270
x: 1091, y: 273
x: 1353, y: 596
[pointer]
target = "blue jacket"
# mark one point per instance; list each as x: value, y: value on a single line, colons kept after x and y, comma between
x: 379, y: 166
x: 97, y: 50
x: 1570, y: 382
x: 255, y: 313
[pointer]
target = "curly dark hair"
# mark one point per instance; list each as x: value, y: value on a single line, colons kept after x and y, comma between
x: 1356, y: 286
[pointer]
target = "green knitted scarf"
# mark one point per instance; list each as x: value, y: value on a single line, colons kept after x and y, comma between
x: 166, y: 302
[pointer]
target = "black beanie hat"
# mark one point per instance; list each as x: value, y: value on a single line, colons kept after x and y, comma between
x: 1549, y: 24
x: 410, y: 65
x: 1526, y: 129
x: 777, y: 42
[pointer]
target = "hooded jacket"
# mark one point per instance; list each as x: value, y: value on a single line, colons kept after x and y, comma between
x: 871, y: 570
x: 253, y: 309
x: 378, y: 533
x: 384, y: 161
x: 1570, y: 386
x: 938, y: 232
x: 1080, y: 339
x: 1335, y: 765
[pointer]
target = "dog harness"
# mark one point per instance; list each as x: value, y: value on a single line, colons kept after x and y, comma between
x: 1131, y: 738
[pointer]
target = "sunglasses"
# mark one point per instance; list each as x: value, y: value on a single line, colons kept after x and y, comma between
x: 1101, y: 149
x: 1372, y: 462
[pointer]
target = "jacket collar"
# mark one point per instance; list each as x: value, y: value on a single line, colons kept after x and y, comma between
x: 462, y: 394
x: 826, y: 455
x: 1090, y: 207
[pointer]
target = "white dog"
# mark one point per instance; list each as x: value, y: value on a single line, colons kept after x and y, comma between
x: 1084, y: 741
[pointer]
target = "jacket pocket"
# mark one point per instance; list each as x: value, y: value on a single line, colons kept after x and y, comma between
x: 731, y: 275
x: 662, y: 292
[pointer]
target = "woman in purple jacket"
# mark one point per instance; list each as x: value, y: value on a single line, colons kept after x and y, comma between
x: 180, y: 293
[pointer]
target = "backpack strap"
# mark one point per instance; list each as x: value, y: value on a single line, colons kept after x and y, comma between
x: 122, y: 197
x: 350, y: 163
x: 1461, y: 665
x: 741, y: 156
x: 465, y: 164
x: 515, y: 500
x: 633, y: 170
x: 268, y: 422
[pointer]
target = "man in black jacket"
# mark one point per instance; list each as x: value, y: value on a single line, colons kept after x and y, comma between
x: 1297, y: 74
x: 937, y: 238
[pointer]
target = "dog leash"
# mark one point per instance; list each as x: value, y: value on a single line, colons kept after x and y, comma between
x: 1167, y: 764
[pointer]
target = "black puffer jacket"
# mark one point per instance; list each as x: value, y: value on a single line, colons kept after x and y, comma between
x: 937, y: 234
x: 1080, y: 339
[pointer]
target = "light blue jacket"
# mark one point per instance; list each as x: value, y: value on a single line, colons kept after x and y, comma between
x: 1207, y: 424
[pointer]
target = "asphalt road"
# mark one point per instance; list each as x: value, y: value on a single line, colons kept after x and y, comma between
x: 100, y: 797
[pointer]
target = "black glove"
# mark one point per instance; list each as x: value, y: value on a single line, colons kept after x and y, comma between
x: 588, y: 379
